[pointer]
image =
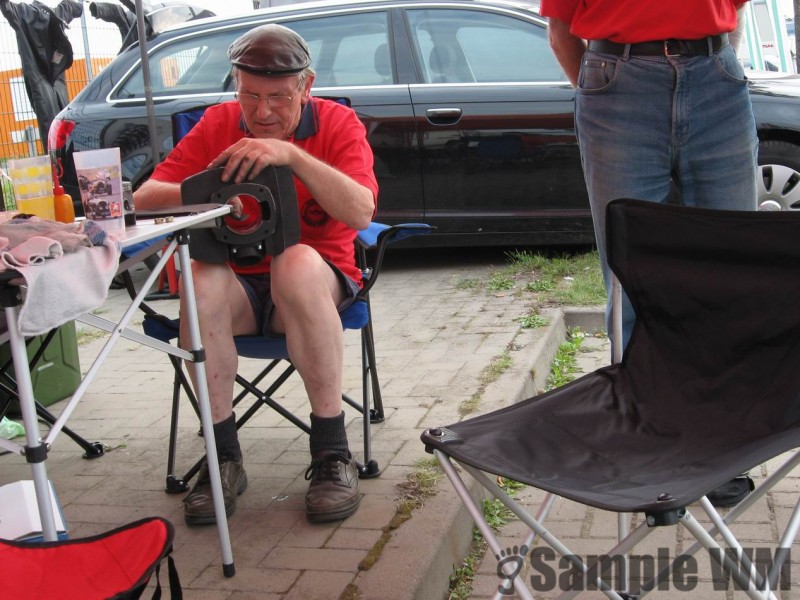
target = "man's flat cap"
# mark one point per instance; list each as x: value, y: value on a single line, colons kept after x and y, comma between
x: 270, y: 51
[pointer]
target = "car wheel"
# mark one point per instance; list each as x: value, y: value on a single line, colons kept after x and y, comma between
x: 778, y: 181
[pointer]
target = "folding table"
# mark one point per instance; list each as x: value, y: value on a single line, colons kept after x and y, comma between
x: 177, y: 232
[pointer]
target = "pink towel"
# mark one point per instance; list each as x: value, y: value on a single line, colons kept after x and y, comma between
x: 62, y: 289
x: 33, y: 251
x: 66, y: 268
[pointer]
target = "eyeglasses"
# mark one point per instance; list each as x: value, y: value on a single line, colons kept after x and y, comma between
x: 252, y: 100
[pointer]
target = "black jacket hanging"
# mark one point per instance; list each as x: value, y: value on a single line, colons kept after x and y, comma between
x: 46, y: 54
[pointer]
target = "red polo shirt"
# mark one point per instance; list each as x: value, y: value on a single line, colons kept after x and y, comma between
x: 632, y: 21
x: 328, y: 131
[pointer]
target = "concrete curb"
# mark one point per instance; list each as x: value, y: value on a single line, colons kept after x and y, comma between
x: 590, y: 319
x: 440, y: 533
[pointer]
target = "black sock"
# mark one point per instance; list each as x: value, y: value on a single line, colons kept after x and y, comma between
x: 328, y: 433
x: 227, y: 440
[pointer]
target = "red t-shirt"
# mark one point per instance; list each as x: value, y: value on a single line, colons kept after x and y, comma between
x: 328, y: 131
x: 632, y: 21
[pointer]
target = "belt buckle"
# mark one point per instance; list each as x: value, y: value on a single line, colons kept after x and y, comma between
x: 667, y: 52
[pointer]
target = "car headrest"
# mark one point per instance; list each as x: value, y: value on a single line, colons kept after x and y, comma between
x: 383, y: 64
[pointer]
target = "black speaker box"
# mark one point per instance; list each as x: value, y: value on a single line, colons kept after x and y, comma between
x: 278, y: 228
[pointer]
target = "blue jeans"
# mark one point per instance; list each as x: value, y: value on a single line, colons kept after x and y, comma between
x: 647, y: 123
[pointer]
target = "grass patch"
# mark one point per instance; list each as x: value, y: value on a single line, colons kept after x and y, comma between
x: 470, y: 283
x: 572, y: 279
x: 552, y: 280
x: 533, y: 321
x: 86, y: 336
x: 351, y: 592
x: 496, y: 515
x: 420, y: 484
x: 564, y: 365
x: 463, y: 576
x: 490, y: 374
x: 499, y: 281
x: 498, y: 366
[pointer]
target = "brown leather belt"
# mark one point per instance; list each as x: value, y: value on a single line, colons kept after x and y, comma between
x: 702, y: 47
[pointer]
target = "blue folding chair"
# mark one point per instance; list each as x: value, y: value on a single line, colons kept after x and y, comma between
x: 371, y: 245
x: 182, y: 123
x: 274, y: 189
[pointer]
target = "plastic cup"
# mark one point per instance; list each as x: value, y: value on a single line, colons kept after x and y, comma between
x: 100, y: 183
x: 32, y: 179
x: 41, y: 207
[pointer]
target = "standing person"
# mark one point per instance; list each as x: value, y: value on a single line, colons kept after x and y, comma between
x: 299, y: 293
x: 735, y: 36
x: 661, y: 102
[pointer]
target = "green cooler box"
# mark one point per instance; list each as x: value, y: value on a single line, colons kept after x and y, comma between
x: 58, y: 372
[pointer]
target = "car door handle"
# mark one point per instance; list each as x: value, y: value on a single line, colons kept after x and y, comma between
x: 443, y: 116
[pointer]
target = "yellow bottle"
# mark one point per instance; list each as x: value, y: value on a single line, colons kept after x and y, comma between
x: 62, y: 203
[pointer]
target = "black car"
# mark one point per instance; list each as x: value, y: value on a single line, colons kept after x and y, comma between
x: 468, y: 113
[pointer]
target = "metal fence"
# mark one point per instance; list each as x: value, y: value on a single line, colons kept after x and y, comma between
x: 94, y: 43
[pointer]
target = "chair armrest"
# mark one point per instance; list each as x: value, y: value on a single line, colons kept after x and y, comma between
x: 380, y: 233
x: 377, y: 237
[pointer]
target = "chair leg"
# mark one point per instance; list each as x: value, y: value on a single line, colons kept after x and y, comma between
x: 91, y: 449
x: 178, y: 485
x: 9, y: 386
x: 265, y: 397
x: 369, y: 383
x: 368, y: 469
x: 175, y: 484
x: 169, y: 278
x: 368, y: 340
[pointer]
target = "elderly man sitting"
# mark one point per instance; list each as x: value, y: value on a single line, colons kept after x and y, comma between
x: 276, y: 121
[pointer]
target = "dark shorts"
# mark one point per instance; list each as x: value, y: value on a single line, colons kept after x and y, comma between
x: 257, y: 288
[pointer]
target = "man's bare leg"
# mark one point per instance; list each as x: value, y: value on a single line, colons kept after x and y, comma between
x: 223, y: 311
x: 306, y: 292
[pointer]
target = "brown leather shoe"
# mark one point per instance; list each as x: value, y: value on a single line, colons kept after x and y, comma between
x: 198, y: 506
x: 333, y: 492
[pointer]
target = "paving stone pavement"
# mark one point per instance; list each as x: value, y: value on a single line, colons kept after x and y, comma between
x: 434, y: 338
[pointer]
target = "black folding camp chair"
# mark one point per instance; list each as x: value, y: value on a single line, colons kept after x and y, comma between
x: 275, y: 187
x: 708, y: 388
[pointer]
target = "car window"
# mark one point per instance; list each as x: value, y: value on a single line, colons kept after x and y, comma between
x: 475, y: 46
x: 194, y: 65
x: 348, y: 50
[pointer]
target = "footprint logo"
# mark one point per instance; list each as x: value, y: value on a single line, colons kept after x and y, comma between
x: 514, y: 555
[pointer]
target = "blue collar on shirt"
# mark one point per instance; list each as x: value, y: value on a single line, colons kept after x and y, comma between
x: 308, y: 125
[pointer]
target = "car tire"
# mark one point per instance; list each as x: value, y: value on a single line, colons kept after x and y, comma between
x: 778, y: 179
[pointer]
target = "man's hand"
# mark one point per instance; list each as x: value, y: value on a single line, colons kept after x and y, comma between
x: 245, y: 159
x: 338, y: 195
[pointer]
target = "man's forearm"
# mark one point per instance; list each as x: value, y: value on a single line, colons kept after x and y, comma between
x: 567, y: 48
x: 340, y: 196
x: 157, y: 194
